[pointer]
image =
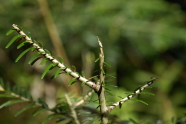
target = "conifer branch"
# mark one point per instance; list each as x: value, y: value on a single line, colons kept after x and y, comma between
x: 119, y: 103
x: 60, y: 65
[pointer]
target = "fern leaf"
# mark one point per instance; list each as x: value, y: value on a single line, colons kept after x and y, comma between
x: 24, y: 109
x: 10, y: 31
x: 39, y: 111
x: 48, y: 118
x: 10, y: 103
x: 22, y: 54
x: 46, y: 70
x: 13, y: 39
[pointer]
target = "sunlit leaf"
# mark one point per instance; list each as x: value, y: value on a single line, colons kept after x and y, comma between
x: 46, y: 70
x: 22, y: 54
x: 13, y: 39
x: 48, y: 118
x: 10, y: 103
x: 10, y: 31
x: 25, y: 108
x: 71, y: 81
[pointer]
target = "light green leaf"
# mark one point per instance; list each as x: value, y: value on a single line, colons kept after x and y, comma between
x: 46, y: 70
x: 25, y: 108
x: 82, y: 84
x: 71, y: 81
x: 48, y: 118
x: 10, y: 103
x: 97, y: 59
x: 10, y: 31
x: 22, y: 54
x: 22, y: 44
x: 43, y: 61
x: 57, y: 73
x: 33, y: 57
x: 13, y: 39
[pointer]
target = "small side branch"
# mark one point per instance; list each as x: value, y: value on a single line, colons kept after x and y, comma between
x: 60, y: 65
x: 109, y: 108
x: 74, y: 114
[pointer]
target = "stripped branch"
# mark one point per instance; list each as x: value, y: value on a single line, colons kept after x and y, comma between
x: 109, y: 108
x: 60, y: 65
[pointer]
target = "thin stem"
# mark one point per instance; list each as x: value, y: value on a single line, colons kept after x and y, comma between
x: 101, y: 93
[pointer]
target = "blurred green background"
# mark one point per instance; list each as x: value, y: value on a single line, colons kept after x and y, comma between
x: 141, y: 39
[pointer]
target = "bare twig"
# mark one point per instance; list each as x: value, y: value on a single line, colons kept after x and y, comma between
x: 101, y: 93
x: 60, y: 65
x: 109, y: 108
x: 74, y: 114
